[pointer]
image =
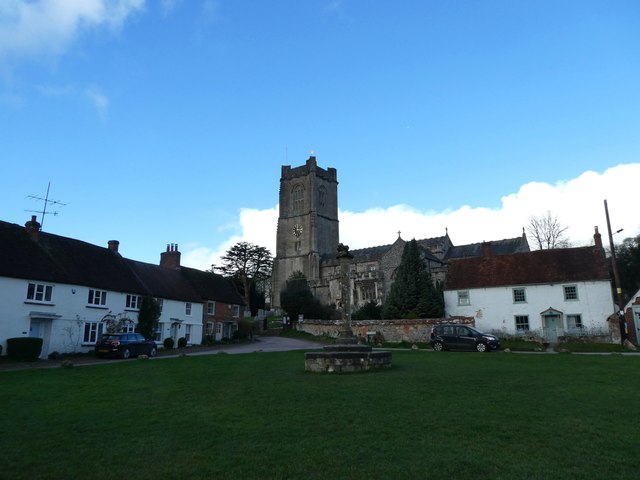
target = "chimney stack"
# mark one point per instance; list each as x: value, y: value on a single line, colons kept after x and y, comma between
x: 597, y: 238
x: 32, y: 228
x: 113, y: 245
x: 170, y: 258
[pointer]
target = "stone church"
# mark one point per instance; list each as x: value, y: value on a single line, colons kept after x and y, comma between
x: 308, y: 238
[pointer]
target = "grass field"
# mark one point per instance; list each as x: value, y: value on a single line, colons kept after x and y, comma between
x: 449, y: 415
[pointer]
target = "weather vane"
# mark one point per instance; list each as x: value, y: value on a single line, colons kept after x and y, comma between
x: 47, y: 202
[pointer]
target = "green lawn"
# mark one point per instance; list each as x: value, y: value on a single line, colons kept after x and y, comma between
x: 447, y: 415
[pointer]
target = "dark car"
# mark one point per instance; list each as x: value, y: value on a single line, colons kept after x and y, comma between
x: 462, y: 337
x: 125, y: 345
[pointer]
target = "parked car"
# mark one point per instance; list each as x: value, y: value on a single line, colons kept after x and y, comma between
x: 462, y: 337
x: 125, y: 345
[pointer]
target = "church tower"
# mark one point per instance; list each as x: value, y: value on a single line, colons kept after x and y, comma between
x: 307, y: 223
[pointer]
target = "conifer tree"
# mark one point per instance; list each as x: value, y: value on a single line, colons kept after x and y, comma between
x: 412, y: 294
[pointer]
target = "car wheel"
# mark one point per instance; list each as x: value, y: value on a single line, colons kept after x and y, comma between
x: 153, y: 352
x: 126, y: 353
x: 481, y: 347
x: 438, y: 346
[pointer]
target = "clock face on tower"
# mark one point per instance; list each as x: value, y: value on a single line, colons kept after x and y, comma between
x: 297, y: 230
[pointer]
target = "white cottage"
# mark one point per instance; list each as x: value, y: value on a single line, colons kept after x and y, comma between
x: 69, y: 292
x: 551, y: 293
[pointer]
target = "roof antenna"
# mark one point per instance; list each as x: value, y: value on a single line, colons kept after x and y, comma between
x: 47, y: 202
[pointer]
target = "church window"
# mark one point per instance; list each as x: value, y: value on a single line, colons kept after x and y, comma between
x: 298, y: 199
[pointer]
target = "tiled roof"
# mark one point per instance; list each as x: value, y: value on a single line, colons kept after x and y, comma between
x: 529, y: 268
x: 53, y: 258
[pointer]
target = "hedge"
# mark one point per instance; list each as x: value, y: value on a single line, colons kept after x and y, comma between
x: 24, y: 348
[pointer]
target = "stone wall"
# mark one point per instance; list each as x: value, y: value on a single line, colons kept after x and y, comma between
x: 378, y: 331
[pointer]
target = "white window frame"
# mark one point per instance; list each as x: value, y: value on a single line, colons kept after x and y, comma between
x: 218, y: 328
x: 574, y: 321
x: 39, y: 292
x: 91, y: 332
x: 187, y: 309
x: 208, y: 332
x: 519, y: 295
x: 464, y: 298
x: 187, y: 332
x: 133, y: 302
x: 211, y: 307
x: 235, y: 311
x: 158, y: 332
x: 97, y: 298
x: 521, y: 323
x: 570, y: 293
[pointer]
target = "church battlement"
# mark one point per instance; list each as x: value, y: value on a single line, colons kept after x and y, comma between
x: 330, y: 174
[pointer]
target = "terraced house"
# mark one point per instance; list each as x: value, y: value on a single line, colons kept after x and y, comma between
x: 68, y: 292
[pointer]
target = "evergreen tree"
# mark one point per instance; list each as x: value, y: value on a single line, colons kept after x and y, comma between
x: 297, y: 298
x: 412, y: 294
x: 148, y: 317
x: 628, y: 261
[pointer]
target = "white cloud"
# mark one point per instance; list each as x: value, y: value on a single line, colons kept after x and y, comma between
x: 47, y: 27
x: 578, y: 203
x: 168, y: 6
x: 98, y: 100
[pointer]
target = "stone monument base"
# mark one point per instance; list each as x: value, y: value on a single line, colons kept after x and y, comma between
x: 346, y: 359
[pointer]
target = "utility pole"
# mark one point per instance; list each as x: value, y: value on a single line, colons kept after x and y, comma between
x: 616, y: 275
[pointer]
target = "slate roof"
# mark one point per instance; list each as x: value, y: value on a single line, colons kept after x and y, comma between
x: 56, y: 259
x: 528, y: 268
x: 376, y: 253
x: 498, y: 247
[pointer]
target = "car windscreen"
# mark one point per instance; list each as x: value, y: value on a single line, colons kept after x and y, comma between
x: 110, y: 338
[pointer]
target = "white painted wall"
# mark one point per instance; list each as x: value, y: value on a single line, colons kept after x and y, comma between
x: 494, y: 309
x: 63, y: 321
x: 174, y: 312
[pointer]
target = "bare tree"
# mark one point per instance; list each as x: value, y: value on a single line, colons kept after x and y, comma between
x: 547, y: 232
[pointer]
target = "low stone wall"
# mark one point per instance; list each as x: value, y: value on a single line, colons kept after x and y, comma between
x: 382, y: 331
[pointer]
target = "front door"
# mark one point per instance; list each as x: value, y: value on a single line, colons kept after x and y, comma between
x: 34, y: 329
x: 551, y: 325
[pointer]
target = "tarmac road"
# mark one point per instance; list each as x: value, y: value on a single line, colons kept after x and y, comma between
x: 260, y: 344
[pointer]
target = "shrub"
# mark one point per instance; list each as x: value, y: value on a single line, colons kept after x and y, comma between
x: 168, y: 343
x: 209, y: 340
x: 182, y: 342
x: 24, y: 348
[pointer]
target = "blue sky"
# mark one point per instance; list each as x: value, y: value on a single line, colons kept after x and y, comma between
x: 168, y: 121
